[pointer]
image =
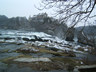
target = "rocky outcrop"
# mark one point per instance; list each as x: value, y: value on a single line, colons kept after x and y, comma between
x: 87, y: 35
x: 70, y: 34
x: 32, y: 59
x: 82, y: 38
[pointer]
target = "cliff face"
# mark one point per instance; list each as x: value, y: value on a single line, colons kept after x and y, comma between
x: 38, y: 23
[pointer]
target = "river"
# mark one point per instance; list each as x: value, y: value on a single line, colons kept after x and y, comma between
x: 11, y: 40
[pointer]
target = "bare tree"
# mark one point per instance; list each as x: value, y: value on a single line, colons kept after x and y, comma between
x: 71, y: 10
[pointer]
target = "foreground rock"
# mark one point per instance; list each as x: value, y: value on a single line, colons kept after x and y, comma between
x: 86, y: 68
x: 41, y: 50
x: 43, y: 64
x: 28, y: 50
x: 32, y: 59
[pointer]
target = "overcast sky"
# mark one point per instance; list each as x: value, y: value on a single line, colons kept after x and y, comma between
x: 13, y: 8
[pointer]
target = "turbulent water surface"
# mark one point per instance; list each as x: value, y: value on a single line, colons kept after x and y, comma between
x: 11, y: 40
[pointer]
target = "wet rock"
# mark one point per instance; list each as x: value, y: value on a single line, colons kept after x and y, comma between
x: 32, y: 59
x: 93, y: 51
x: 42, y: 66
x: 53, y: 49
x: 34, y: 39
x: 80, y: 49
x: 38, y: 38
x: 8, y: 38
x: 70, y: 68
x: 43, y: 46
x: 55, y: 53
x: 3, y: 67
x: 85, y: 39
x: 68, y: 62
x: 27, y: 39
x: 5, y: 51
x: 70, y: 34
x: 86, y: 68
x: 19, y: 43
x: 42, y: 55
x: 43, y: 63
x: 27, y: 50
x: 86, y: 35
x: 70, y: 53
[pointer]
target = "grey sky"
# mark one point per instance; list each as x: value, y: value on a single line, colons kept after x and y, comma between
x: 13, y: 8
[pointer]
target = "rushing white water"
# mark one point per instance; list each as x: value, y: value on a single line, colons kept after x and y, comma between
x: 51, y: 41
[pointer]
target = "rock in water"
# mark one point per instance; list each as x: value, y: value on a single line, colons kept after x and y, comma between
x: 32, y: 59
